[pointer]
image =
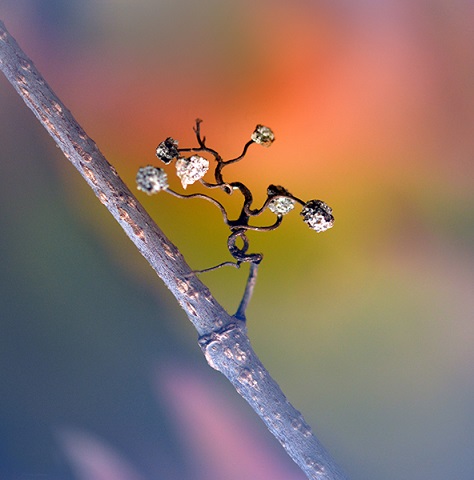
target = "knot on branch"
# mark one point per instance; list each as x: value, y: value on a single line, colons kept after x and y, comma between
x: 210, y: 343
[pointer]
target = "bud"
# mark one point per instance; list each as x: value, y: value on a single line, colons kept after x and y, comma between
x: 263, y: 136
x: 317, y: 215
x: 167, y: 150
x: 281, y: 205
x: 151, y: 179
x: 191, y: 169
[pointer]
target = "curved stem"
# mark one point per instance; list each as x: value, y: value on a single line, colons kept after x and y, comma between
x: 240, y: 253
x: 216, y: 267
x: 267, y: 228
x: 242, y: 155
x: 205, y: 197
x: 224, y: 186
x: 197, y: 131
x: 202, y: 144
x: 297, y: 200
x: 258, y: 211
x: 247, y: 194
x: 213, y: 152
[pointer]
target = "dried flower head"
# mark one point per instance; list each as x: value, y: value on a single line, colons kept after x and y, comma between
x: 317, y: 215
x: 191, y: 169
x: 263, y: 136
x: 167, y: 150
x: 281, y: 205
x: 151, y: 179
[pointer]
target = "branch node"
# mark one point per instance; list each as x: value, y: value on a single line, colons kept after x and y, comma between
x: 209, y: 342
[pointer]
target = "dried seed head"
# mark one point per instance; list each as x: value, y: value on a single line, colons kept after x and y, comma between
x: 167, y: 150
x: 317, y: 215
x: 151, y: 179
x: 191, y: 169
x: 281, y: 205
x: 263, y: 136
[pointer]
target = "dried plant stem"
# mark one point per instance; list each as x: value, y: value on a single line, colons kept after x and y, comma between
x: 222, y: 337
x: 248, y: 291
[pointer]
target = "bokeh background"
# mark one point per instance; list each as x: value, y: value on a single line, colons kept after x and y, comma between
x: 368, y: 328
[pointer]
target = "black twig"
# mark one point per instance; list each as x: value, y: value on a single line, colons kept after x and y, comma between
x: 223, y: 264
x: 204, y: 197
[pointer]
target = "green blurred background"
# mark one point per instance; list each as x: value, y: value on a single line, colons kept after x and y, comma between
x: 368, y: 328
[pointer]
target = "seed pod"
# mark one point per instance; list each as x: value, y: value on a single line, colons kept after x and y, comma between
x: 263, y: 136
x: 191, y: 169
x: 151, y: 179
x: 167, y: 150
x: 281, y: 205
x: 317, y: 215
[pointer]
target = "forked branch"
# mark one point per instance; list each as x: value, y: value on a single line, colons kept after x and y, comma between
x: 222, y: 337
x: 151, y: 180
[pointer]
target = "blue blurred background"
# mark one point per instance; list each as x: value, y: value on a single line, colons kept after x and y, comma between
x: 368, y: 328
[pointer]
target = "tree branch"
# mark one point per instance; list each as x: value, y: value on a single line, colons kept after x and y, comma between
x: 222, y: 337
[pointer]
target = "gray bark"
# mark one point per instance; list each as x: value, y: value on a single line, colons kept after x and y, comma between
x: 222, y: 337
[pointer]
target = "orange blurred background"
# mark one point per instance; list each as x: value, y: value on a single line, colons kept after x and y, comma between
x: 368, y: 328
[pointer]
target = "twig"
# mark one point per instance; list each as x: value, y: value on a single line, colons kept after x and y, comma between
x: 222, y: 337
x: 248, y: 292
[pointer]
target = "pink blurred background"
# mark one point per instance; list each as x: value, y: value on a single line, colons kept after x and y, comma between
x: 368, y: 328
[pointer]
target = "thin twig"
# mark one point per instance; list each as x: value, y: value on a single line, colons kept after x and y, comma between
x: 205, y: 197
x: 222, y: 337
x: 249, y: 287
x: 217, y: 267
